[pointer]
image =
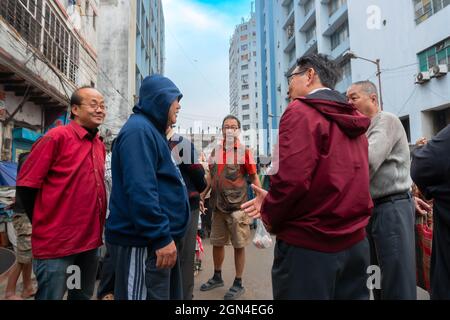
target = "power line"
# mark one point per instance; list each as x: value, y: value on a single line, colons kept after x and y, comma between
x: 407, y: 101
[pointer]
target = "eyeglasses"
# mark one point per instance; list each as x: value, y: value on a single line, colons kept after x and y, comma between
x: 231, y: 128
x: 94, y: 106
x: 289, y: 77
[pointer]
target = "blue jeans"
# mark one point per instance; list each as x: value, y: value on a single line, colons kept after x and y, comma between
x: 53, y: 274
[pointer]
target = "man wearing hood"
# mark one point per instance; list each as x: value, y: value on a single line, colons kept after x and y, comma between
x: 319, y: 202
x: 149, y: 207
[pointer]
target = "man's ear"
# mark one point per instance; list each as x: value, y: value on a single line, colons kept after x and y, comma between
x: 74, y: 110
x: 311, y: 75
x: 374, y: 98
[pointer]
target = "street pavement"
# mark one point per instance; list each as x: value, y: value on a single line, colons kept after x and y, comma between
x: 256, y: 279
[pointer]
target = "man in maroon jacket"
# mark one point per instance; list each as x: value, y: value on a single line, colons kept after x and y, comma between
x: 319, y: 202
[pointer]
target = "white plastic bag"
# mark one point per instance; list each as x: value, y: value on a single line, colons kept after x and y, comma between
x: 262, y: 239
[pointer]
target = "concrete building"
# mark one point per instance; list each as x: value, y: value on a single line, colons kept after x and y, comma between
x: 408, y: 36
x: 244, y: 85
x: 44, y: 55
x: 135, y: 51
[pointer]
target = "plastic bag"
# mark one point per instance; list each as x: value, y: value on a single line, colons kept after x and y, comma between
x: 262, y: 239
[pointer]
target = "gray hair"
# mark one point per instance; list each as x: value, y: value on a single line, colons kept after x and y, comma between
x: 368, y: 87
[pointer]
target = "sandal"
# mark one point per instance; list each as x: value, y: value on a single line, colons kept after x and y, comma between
x: 234, y: 292
x: 211, y: 284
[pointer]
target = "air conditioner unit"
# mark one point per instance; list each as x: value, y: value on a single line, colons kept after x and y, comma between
x: 438, y: 71
x: 422, y: 77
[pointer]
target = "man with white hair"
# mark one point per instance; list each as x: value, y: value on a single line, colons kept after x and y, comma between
x: 391, y: 227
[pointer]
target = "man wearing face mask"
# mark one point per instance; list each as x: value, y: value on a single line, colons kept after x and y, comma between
x: 149, y: 206
x: 230, y: 163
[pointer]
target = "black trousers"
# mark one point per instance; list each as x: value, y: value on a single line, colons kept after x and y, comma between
x: 392, y: 248
x: 107, y: 275
x: 440, y: 255
x: 187, y: 256
x: 301, y: 274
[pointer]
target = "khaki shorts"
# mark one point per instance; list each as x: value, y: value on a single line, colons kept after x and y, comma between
x: 22, y: 226
x: 234, y: 227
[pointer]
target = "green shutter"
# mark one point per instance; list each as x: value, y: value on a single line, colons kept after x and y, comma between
x: 442, y: 56
x: 423, y: 62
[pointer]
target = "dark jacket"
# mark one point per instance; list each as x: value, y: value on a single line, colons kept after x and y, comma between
x: 430, y: 170
x: 319, y: 198
x: 192, y: 171
x: 149, y: 203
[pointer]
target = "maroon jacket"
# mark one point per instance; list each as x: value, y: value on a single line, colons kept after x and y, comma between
x: 319, y: 199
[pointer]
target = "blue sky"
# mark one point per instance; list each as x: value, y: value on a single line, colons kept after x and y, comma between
x: 198, y: 33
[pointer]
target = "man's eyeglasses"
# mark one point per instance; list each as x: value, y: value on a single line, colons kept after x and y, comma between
x: 289, y: 77
x: 94, y: 106
x: 231, y: 128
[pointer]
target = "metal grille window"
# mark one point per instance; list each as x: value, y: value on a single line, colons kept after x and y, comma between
x: 426, y: 8
x: 39, y: 25
x: 59, y: 46
x: 25, y: 16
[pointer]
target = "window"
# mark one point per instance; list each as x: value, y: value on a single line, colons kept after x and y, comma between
x: 245, y: 97
x: 245, y: 87
x: 246, y: 127
x: 60, y: 47
x: 310, y: 33
x: 244, y: 67
x: 290, y: 6
x: 244, y: 37
x: 25, y: 17
x: 290, y: 30
x: 244, y: 57
x: 438, y: 54
x: 244, y: 27
x: 335, y: 5
x: 340, y: 36
x: 346, y: 71
x: 244, y: 78
x: 246, y: 117
x: 308, y: 6
x: 244, y: 47
x: 426, y: 8
x: 407, y: 127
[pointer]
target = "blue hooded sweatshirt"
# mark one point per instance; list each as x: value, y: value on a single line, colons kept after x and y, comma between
x: 149, y: 204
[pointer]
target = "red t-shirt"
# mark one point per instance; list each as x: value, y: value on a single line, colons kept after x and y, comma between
x: 236, y: 155
x: 68, y: 167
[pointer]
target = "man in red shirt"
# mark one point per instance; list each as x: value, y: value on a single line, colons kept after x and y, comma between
x: 65, y: 169
x: 319, y: 202
x: 230, y: 166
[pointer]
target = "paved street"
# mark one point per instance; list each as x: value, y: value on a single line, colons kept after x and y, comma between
x: 257, y: 279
